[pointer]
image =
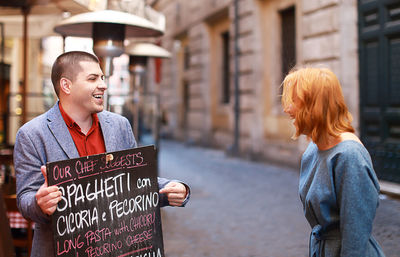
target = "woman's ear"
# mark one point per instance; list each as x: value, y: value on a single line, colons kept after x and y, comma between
x: 65, y: 85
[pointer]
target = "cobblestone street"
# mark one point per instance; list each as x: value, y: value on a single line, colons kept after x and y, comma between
x: 245, y: 209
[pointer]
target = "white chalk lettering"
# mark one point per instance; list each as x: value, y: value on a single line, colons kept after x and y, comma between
x: 128, y: 206
x: 143, y: 182
x: 79, y: 220
x: 75, y: 194
x: 151, y: 254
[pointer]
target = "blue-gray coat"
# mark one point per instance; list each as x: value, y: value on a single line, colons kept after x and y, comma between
x: 46, y: 138
x: 339, y: 191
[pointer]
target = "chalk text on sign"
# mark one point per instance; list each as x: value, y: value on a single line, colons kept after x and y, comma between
x: 134, y: 204
x: 75, y: 193
x: 97, y: 235
x: 86, y: 167
x: 124, y: 161
x: 78, y: 220
x: 61, y: 172
x: 143, y: 182
x: 69, y: 244
x: 139, y: 238
x: 141, y: 221
x: 106, y: 248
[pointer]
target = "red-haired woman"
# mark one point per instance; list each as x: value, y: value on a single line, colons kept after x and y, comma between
x: 338, y: 186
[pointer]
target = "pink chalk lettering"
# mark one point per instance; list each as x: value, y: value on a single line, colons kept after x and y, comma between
x: 141, y: 221
x: 60, y: 173
x: 106, y: 248
x: 85, y: 167
x: 124, y: 161
x: 122, y: 228
x: 69, y: 244
x: 97, y: 235
x: 139, y: 238
x: 136, y: 251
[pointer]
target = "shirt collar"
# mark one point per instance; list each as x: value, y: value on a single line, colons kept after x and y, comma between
x: 70, y: 122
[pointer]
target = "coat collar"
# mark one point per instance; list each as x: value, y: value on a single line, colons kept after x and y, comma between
x: 108, y: 131
x: 60, y: 131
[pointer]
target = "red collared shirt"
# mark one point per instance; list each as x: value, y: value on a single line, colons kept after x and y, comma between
x: 89, y: 144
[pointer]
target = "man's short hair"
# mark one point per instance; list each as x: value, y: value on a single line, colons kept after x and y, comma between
x: 67, y: 66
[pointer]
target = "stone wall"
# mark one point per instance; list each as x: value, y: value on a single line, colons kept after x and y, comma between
x: 326, y: 35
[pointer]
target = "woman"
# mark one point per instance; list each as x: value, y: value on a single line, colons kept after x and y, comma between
x: 338, y: 186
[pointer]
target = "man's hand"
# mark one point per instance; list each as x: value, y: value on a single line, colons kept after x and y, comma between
x: 176, y: 193
x: 47, y: 197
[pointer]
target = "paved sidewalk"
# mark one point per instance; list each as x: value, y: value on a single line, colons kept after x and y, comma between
x: 245, y: 209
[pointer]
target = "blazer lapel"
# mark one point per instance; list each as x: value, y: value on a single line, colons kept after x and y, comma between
x: 60, y: 131
x: 106, y: 128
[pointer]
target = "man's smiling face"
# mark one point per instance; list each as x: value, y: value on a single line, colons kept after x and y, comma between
x: 88, y: 88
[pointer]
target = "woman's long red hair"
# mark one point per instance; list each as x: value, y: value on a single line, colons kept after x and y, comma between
x: 321, y: 109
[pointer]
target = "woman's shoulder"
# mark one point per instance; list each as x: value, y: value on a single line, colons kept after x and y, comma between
x: 350, y: 136
x: 350, y: 149
x: 351, y: 160
x: 347, y: 151
x: 350, y: 154
x: 349, y: 146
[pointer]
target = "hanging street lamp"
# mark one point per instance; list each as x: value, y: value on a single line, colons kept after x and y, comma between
x: 147, y: 50
x: 138, y: 56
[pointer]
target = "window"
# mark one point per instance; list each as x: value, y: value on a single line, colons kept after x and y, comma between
x: 288, y: 32
x: 186, y: 58
x: 185, y: 105
x: 225, y: 96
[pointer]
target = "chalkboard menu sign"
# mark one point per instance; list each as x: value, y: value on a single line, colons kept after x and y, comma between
x: 110, y: 205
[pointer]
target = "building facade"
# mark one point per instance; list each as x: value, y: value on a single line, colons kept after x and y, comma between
x: 358, y: 39
x: 198, y: 85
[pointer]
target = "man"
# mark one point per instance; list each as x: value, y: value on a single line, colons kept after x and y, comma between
x: 75, y: 126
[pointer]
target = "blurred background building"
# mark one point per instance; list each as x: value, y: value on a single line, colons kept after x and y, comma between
x: 26, y: 58
x: 221, y: 86
x: 358, y: 40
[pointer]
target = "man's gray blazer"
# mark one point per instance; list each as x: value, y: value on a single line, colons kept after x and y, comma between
x: 46, y: 138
